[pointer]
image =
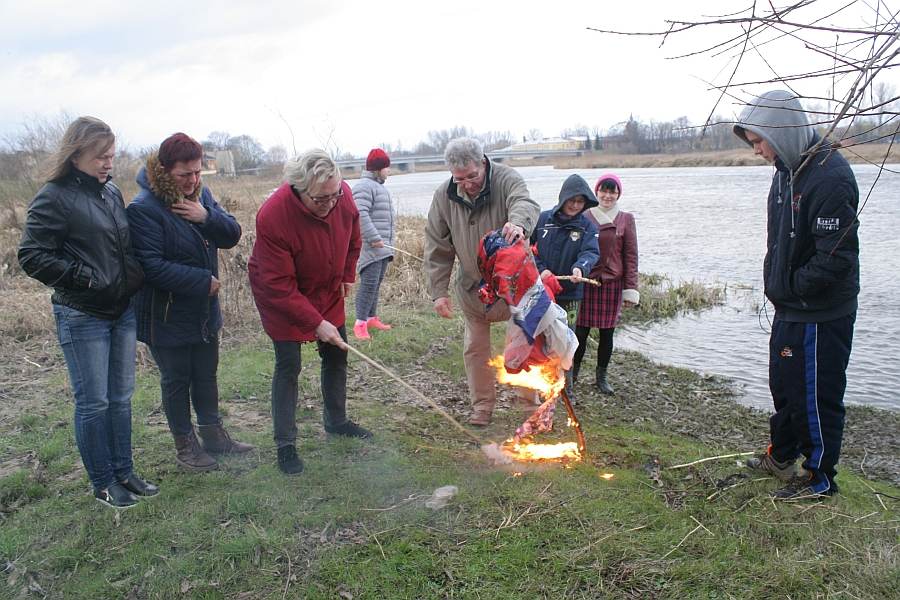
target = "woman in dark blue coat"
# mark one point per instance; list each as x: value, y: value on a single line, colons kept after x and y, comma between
x: 178, y: 228
x: 566, y: 243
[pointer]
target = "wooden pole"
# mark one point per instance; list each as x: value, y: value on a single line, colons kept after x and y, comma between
x: 422, y: 396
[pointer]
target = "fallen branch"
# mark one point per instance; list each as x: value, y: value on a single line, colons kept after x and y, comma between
x: 703, y: 460
x: 683, y: 540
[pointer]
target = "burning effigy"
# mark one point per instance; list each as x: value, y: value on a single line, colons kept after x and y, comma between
x: 539, y: 346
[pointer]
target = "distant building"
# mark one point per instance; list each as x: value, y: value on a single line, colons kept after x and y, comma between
x: 550, y: 145
x: 224, y: 162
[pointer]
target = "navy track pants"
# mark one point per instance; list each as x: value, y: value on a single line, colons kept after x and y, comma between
x: 807, y: 378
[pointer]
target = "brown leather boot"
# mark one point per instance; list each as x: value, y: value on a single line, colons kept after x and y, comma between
x: 216, y: 440
x: 190, y: 456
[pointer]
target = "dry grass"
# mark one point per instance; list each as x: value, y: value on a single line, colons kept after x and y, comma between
x: 740, y: 157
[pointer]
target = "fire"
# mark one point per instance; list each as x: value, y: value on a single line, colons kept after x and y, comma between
x: 546, y: 378
x: 528, y: 451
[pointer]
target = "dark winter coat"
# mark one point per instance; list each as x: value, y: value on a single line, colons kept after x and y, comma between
x: 300, y: 262
x: 180, y: 259
x: 77, y: 241
x: 811, y: 269
x: 565, y: 243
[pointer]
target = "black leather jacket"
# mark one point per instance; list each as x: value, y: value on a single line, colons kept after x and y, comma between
x: 76, y: 240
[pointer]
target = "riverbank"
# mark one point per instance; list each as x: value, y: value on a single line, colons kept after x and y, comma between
x: 735, y: 157
x: 355, y: 523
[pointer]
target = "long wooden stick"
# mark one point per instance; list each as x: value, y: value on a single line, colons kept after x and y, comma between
x: 418, y: 258
x: 703, y: 460
x: 422, y: 396
x: 582, y: 279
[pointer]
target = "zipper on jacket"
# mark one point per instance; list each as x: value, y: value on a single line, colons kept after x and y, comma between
x: 166, y: 310
x: 204, y: 326
x: 123, y: 283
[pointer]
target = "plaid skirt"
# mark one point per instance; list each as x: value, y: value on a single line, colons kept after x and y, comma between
x: 601, y: 306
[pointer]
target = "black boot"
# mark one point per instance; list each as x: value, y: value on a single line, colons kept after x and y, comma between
x: 603, y: 384
x: 288, y: 461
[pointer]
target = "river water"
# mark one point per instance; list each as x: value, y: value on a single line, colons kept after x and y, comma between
x: 708, y: 224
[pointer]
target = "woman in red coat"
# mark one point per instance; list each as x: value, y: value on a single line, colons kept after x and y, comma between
x: 617, y: 271
x: 302, y: 267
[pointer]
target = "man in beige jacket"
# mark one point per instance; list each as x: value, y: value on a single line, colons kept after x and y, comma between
x: 481, y: 196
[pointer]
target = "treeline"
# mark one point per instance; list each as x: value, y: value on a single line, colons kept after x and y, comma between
x: 22, y: 155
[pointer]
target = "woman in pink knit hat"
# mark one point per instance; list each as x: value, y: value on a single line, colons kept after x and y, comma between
x: 617, y: 271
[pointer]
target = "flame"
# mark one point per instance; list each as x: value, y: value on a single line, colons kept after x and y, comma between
x: 527, y: 451
x: 546, y: 378
x: 607, y: 476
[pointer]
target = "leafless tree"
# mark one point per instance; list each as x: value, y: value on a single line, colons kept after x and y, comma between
x: 846, y: 49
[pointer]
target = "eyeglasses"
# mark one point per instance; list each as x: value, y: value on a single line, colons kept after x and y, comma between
x: 468, y: 178
x: 330, y: 198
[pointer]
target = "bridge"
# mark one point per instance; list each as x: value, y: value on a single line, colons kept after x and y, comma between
x: 407, y: 164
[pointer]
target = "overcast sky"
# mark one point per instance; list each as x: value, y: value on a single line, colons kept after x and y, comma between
x: 359, y: 72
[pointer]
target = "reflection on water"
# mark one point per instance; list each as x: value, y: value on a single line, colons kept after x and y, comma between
x: 708, y: 224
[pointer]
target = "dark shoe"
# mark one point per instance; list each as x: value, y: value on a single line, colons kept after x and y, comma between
x: 116, y: 496
x: 190, y: 456
x: 288, y: 461
x: 139, y: 487
x: 603, y: 384
x: 801, y: 488
x: 785, y: 471
x: 215, y: 439
x: 350, y: 429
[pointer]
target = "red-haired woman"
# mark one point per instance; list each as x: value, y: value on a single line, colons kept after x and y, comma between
x: 178, y: 228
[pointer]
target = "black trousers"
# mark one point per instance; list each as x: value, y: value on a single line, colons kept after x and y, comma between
x: 187, y: 375
x: 807, y: 378
x: 333, y: 377
x: 604, y: 347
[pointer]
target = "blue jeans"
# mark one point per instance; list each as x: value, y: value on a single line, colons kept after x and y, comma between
x: 100, y: 358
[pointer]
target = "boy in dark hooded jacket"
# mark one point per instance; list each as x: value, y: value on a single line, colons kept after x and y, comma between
x: 566, y: 243
x: 811, y: 276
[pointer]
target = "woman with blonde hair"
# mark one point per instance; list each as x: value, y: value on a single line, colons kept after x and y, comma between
x: 76, y: 240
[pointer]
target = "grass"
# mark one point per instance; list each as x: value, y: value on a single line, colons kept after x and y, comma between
x: 354, y: 524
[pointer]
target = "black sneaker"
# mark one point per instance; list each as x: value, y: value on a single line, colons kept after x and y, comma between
x: 288, y: 461
x: 801, y: 488
x: 350, y: 429
x: 139, y: 487
x: 116, y: 496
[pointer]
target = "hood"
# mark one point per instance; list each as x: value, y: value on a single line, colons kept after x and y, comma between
x: 153, y: 177
x: 575, y: 185
x: 778, y: 118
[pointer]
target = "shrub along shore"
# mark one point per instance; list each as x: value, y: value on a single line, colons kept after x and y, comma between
x: 355, y: 524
